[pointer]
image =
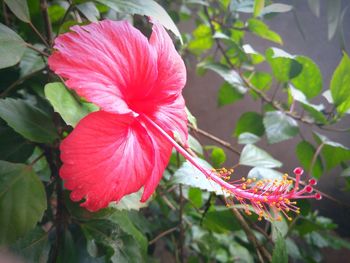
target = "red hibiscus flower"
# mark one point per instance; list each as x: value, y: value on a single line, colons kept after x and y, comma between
x: 114, y: 152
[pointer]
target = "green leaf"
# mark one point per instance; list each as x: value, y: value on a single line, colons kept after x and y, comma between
x: 284, y: 66
x: 19, y: 8
x: 220, y: 221
x: 191, y: 119
x: 276, y: 8
x: 63, y: 102
x: 309, y: 81
x: 305, y: 152
x: 218, y: 157
x: 333, y: 153
x: 254, y: 156
x: 90, y: 11
x: 333, y: 14
x: 280, y: 254
x: 194, y: 144
x: 130, y: 202
x: 34, y: 246
x: 122, y: 219
x: 202, y: 40
x: 12, y: 47
x: 146, y: 8
x: 256, y: 56
x: 262, y: 30
x: 251, y: 122
x: 248, y: 138
x: 119, y: 246
x: 27, y: 120
x: 229, y: 75
x: 31, y: 61
x: 279, y: 127
x: 258, y: 6
x: 189, y: 175
x: 261, y: 173
x: 260, y: 80
x: 13, y: 147
x: 22, y: 201
x: 346, y: 172
x: 228, y: 95
x: 340, y: 85
x: 195, y: 196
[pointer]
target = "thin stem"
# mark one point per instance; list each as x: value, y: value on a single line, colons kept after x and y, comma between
x: 5, y: 14
x: 37, y: 50
x: 37, y: 159
x: 314, y: 158
x: 47, y: 22
x: 154, y: 240
x: 39, y: 34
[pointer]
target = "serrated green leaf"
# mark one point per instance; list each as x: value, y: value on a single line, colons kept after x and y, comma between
x: 254, y: 156
x: 262, y: 30
x: 251, y: 122
x: 309, y: 81
x: 144, y: 7
x: 19, y: 8
x: 279, y: 127
x: 228, y: 95
x: 22, y: 201
x: 12, y: 47
x: 305, y: 152
x: 29, y: 121
x: 63, y: 102
x: 340, y: 85
x: 248, y: 138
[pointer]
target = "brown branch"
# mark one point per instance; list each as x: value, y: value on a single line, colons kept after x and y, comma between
x: 314, y: 158
x: 47, y: 22
x: 37, y: 50
x: 39, y: 34
x: 154, y: 240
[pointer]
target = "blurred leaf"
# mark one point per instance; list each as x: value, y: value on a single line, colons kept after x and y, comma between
x: 292, y: 249
x: 262, y: 30
x: 27, y: 120
x: 284, y: 66
x: 346, y: 172
x: 144, y: 7
x: 34, y: 246
x: 68, y: 251
x: 122, y: 219
x: 280, y: 251
x: 20, y: 9
x: 12, y: 47
x: 309, y: 81
x: 254, y: 156
x: 279, y: 228
x: 189, y: 175
x: 260, y: 80
x: 279, y: 127
x: 90, y: 11
x: 256, y: 56
x: 276, y: 8
x: 261, y: 173
x: 202, y: 40
x: 305, y: 152
x: 218, y: 157
x: 41, y: 166
x: 229, y: 75
x: 31, y: 61
x: 315, y: 111
x: 251, y: 122
x: 56, y: 13
x: 195, y: 196
x: 248, y: 138
x: 191, y: 119
x: 258, y: 6
x: 221, y: 220
x: 118, y: 246
x: 315, y: 6
x: 340, y: 85
x: 194, y: 144
x: 13, y: 147
x: 333, y: 15
x: 130, y: 202
x: 228, y: 95
x: 22, y: 201
x: 63, y: 102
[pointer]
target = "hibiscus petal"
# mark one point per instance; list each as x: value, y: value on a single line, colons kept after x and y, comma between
x: 108, y: 156
x: 106, y: 62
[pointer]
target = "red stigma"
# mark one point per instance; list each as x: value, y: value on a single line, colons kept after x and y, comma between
x: 298, y: 171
